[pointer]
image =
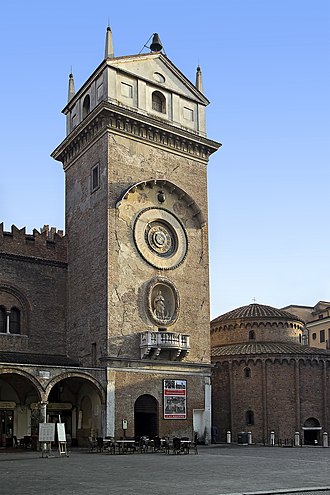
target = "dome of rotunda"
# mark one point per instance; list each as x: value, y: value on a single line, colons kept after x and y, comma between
x: 256, y: 312
x: 256, y: 323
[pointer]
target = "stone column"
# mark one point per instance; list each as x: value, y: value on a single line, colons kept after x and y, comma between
x: 207, y: 407
x: 272, y: 438
x: 325, y: 439
x: 110, y: 404
x: 43, y: 411
x: 8, y: 322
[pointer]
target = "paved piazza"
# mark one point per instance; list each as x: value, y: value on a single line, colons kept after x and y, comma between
x: 216, y: 470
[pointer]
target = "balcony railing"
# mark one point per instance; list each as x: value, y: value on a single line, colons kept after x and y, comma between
x: 164, y: 344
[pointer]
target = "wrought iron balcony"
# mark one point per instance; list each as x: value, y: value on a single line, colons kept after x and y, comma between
x: 164, y: 345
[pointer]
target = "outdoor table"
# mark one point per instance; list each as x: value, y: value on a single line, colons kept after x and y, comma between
x: 109, y: 445
x: 185, y: 444
x: 123, y: 445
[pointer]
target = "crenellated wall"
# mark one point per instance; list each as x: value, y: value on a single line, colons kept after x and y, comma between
x: 48, y: 244
x: 33, y: 274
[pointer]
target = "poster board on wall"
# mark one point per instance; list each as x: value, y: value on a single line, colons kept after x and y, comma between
x: 175, y: 399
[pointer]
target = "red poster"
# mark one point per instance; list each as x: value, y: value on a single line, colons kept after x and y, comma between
x: 175, y: 399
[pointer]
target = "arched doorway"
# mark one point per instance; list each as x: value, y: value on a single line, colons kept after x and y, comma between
x: 146, y: 416
x: 311, y: 430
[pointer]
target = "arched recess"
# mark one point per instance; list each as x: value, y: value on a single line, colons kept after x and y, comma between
x: 86, y: 106
x: 13, y: 298
x: 146, y: 416
x: 158, y: 102
x: 170, y: 187
x: 79, y: 400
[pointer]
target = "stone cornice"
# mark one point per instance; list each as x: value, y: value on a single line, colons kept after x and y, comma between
x: 31, y: 259
x: 141, y: 365
x: 108, y: 117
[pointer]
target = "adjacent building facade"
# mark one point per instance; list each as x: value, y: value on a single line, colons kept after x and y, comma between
x: 108, y: 326
x: 317, y: 322
x: 265, y: 380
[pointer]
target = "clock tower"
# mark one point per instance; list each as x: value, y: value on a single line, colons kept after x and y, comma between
x: 135, y: 161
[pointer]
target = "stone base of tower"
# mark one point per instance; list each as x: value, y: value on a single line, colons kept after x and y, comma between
x: 158, y: 402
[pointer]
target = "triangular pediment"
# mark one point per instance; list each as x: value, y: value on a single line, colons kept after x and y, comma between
x: 157, y: 69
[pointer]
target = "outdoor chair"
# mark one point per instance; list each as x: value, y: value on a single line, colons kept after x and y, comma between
x: 157, y: 444
x: 176, y: 445
x: 99, y: 442
x: 143, y: 445
x: 92, y: 442
x: 165, y: 445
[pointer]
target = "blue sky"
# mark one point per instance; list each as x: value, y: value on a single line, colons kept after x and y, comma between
x: 266, y: 71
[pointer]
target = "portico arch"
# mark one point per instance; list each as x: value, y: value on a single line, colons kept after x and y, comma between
x: 18, y: 392
x: 78, y: 400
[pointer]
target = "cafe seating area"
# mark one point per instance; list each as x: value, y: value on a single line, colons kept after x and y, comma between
x: 142, y: 445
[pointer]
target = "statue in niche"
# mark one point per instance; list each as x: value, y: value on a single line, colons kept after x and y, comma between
x: 159, y: 307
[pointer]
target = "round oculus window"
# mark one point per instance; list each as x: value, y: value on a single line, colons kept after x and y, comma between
x: 160, y: 238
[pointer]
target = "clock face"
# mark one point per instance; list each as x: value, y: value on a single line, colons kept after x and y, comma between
x: 160, y: 238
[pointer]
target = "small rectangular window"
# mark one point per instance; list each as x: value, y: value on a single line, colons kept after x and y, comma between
x: 322, y: 335
x: 126, y: 90
x: 188, y: 113
x: 100, y: 91
x: 95, y: 178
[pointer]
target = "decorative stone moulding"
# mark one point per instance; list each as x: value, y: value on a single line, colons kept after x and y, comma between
x: 166, y: 188
x: 162, y: 302
x: 160, y: 238
x: 108, y: 116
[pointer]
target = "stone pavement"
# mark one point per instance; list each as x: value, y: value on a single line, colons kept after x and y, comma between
x: 216, y: 470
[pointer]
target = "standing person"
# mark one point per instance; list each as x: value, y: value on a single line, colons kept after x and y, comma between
x: 214, y: 434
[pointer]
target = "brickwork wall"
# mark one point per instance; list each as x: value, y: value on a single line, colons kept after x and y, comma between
x: 221, y: 405
x: 282, y: 398
x: 272, y: 331
x: 86, y: 224
x: 312, y: 390
x: 130, y: 386
x: 39, y: 287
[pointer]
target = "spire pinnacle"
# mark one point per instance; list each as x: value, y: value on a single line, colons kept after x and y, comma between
x: 109, y: 53
x: 71, y: 90
x: 199, y: 81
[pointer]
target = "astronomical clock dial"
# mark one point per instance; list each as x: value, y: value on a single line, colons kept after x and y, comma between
x: 160, y: 238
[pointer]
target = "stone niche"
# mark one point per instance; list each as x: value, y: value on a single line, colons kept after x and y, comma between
x: 162, y: 302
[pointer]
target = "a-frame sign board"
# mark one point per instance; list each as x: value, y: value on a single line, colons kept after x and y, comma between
x: 46, y: 437
x: 62, y: 446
